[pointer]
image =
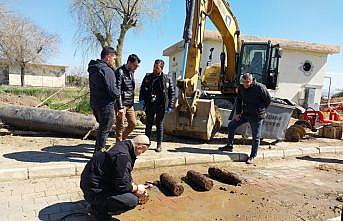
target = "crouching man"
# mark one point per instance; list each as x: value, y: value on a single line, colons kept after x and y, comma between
x: 106, y: 180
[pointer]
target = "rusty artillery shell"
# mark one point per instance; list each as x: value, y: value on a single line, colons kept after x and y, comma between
x: 224, y: 176
x: 199, y: 180
x: 170, y: 184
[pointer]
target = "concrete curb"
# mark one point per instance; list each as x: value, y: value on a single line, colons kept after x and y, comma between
x: 76, y: 168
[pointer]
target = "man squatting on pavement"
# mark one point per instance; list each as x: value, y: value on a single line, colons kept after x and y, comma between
x: 126, y: 86
x: 103, y: 93
x: 156, y: 97
x: 106, y: 180
x: 252, y: 100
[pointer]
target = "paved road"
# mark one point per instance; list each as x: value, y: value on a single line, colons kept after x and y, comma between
x: 291, y: 189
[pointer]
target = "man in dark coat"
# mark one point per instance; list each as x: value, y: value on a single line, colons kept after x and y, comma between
x: 252, y: 100
x: 157, y: 97
x: 126, y: 86
x: 106, y: 180
x: 103, y: 93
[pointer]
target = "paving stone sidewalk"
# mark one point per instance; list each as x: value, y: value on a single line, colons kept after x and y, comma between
x: 39, y: 157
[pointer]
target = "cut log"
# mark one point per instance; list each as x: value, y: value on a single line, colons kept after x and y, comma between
x: 199, y: 180
x: 224, y: 176
x: 47, y: 120
x: 170, y: 184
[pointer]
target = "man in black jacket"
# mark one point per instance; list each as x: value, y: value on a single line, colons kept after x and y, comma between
x: 157, y: 97
x: 106, y: 180
x: 126, y: 86
x: 252, y: 100
x: 103, y: 93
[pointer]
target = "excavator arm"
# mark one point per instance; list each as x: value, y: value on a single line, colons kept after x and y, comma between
x: 198, y: 118
x: 226, y: 23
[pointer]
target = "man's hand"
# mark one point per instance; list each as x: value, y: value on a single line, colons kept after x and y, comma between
x: 141, y: 189
x: 169, y: 110
x: 237, y: 117
x: 120, y: 112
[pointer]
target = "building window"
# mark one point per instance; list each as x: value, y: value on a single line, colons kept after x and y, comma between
x: 306, y: 67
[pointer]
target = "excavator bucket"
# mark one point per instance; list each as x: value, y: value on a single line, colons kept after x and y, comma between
x: 204, y: 123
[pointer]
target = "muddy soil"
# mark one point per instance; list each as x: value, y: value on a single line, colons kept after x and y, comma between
x: 274, y: 190
x: 24, y: 100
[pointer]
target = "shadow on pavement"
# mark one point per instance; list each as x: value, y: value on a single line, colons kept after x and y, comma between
x: 67, y: 211
x: 216, y: 140
x: 54, y: 154
x: 198, y: 150
x: 208, y: 151
x: 322, y: 160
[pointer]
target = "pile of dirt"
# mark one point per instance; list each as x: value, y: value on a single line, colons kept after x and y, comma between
x: 24, y: 100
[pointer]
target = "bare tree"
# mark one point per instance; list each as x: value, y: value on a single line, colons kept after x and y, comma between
x: 22, y: 42
x: 100, y: 21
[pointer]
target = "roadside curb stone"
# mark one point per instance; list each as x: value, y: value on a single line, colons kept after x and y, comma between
x: 309, y: 150
x: 273, y: 154
x: 14, y: 174
x: 165, y: 162
x: 199, y: 159
x: 79, y: 168
x: 292, y: 152
x: 72, y: 169
x: 144, y: 164
x: 52, y: 171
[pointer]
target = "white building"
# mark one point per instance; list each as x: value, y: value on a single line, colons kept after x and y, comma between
x: 40, y: 75
x: 302, y: 66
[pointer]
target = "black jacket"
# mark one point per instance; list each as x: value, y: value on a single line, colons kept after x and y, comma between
x: 168, y: 90
x: 102, y: 84
x: 253, y: 101
x: 109, y: 172
x: 126, y: 86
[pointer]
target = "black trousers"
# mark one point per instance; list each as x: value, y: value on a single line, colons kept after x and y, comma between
x: 104, y: 116
x: 107, y: 203
x: 155, y: 111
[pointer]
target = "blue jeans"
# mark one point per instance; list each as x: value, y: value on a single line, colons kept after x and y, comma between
x: 256, y: 129
x: 104, y: 116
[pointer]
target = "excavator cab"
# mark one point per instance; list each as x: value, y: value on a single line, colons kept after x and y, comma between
x: 261, y: 59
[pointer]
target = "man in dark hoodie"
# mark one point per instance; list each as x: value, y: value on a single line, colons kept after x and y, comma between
x: 106, y: 180
x: 103, y: 93
x: 252, y: 100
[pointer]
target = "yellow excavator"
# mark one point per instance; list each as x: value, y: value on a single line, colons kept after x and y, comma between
x: 196, y: 115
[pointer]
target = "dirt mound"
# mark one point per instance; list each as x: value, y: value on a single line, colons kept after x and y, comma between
x: 24, y: 100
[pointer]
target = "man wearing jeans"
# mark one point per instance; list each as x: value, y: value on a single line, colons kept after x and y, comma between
x: 252, y: 100
x: 103, y: 93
